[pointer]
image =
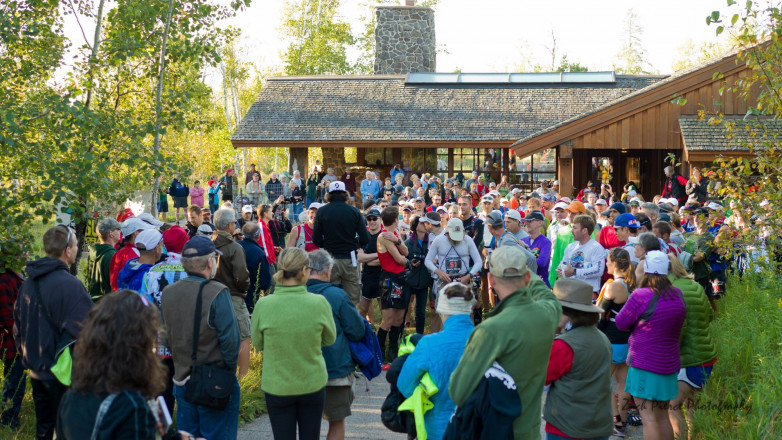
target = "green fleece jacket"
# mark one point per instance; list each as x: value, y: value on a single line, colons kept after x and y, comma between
x: 518, y: 335
x: 697, y: 344
x: 98, y: 264
x: 290, y: 327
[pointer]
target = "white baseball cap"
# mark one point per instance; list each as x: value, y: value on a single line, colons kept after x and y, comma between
x: 455, y: 229
x: 561, y: 205
x: 247, y: 208
x: 315, y: 205
x: 148, y: 239
x: 147, y: 218
x: 134, y: 224
x: 601, y: 202
x: 656, y: 262
x: 337, y: 186
x: 513, y: 215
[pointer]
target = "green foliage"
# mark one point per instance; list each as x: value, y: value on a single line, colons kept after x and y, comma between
x: 691, y: 53
x: 756, y: 31
x: 631, y: 59
x: 742, y: 398
x: 84, y: 143
x: 319, y: 40
x: 566, y: 66
x: 253, y: 401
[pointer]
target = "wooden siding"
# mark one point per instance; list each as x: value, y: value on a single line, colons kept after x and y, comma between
x: 656, y: 126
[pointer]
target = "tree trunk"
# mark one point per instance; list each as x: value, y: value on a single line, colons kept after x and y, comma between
x: 159, y: 105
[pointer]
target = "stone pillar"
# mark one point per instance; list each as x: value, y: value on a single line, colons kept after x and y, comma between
x: 404, y: 40
x: 334, y: 158
x: 300, y: 157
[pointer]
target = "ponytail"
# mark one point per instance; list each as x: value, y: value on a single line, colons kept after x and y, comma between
x: 621, y: 259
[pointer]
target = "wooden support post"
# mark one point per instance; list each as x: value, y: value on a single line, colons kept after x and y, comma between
x: 565, y: 170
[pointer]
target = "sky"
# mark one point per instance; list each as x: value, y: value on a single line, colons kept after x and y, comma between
x: 493, y: 35
x: 496, y: 35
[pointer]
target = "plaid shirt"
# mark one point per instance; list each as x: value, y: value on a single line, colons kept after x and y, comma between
x: 10, y: 283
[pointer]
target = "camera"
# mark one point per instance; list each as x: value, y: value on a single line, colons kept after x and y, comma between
x: 417, y: 257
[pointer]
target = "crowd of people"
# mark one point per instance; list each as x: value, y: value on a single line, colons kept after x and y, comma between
x: 522, y: 292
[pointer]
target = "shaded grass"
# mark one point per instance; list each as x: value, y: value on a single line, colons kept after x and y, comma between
x: 743, y: 397
x: 253, y: 402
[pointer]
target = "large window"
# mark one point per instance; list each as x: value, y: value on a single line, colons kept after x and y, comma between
x: 378, y: 156
x: 529, y: 171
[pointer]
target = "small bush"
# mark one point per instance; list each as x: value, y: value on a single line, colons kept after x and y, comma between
x: 743, y: 397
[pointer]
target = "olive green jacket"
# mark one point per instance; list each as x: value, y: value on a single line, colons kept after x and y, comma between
x: 697, y: 344
x: 518, y: 334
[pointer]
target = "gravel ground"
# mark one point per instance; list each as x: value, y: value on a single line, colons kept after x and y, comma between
x: 365, y: 421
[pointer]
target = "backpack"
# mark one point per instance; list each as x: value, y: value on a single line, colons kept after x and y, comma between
x: 366, y: 353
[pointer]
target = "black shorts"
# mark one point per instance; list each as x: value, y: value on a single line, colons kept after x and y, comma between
x: 180, y: 202
x: 228, y: 197
x: 162, y: 207
x: 370, y: 287
x: 392, y: 291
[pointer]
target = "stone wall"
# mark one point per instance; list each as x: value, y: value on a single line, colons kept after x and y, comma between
x: 404, y: 40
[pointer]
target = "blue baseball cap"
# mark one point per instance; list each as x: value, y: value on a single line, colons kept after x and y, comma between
x: 548, y: 197
x: 618, y: 206
x: 199, y: 246
x: 626, y: 221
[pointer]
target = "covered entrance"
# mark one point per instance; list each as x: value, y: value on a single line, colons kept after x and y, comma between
x: 618, y: 167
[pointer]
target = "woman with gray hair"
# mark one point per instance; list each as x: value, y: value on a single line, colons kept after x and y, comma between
x: 294, y: 380
x: 647, y: 242
x: 438, y: 354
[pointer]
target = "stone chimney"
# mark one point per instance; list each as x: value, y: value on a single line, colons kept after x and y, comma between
x: 404, y: 39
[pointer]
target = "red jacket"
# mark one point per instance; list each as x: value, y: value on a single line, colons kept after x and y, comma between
x: 122, y: 256
x: 265, y: 240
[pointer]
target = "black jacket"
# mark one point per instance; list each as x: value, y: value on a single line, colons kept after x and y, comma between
x: 392, y: 419
x: 418, y: 277
x: 129, y: 416
x: 68, y: 304
x: 336, y: 226
x: 489, y: 412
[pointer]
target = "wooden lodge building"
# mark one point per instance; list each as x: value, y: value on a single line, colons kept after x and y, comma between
x: 568, y: 126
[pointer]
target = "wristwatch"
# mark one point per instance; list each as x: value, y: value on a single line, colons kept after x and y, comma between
x: 398, y: 241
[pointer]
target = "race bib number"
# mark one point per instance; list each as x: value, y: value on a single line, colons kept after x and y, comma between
x: 453, y: 266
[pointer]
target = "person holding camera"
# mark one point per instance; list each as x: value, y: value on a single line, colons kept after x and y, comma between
x: 279, y: 224
x: 452, y: 253
x: 418, y: 279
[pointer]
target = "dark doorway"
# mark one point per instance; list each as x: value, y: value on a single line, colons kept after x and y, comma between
x: 617, y: 167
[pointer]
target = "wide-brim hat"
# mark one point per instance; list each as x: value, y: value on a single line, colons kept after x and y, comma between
x: 576, y: 295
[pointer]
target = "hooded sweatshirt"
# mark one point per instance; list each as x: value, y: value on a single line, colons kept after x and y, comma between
x: 232, y: 268
x: 98, y: 268
x: 65, y: 300
x: 132, y: 275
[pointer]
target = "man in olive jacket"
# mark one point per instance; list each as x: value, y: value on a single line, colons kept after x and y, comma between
x: 232, y: 271
x: 518, y: 335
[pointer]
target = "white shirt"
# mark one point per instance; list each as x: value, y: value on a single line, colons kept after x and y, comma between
x: 587, y: 259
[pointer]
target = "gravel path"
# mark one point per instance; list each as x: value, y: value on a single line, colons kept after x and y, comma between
x: 365, y: 421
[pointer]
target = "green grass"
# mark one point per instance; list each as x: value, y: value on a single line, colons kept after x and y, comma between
x: 743, y: 397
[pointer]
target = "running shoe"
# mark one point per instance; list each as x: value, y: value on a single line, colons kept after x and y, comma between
x: 634, y: 419
x: 619, y: 431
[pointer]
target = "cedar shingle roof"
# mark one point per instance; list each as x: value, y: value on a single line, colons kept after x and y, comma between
x: 651, y: 86
x: 384, y: 108
x: 701, y: 135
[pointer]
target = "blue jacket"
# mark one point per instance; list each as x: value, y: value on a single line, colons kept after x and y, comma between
x: 349, y: 324
x: 370, y: 187
x: 438, y: 354
x: 257, y: 265
x: 393, y: 174
x: 132, y: 275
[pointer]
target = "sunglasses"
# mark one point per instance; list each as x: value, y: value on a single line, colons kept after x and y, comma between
x: 70, y: 233
x: 372, y: 219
